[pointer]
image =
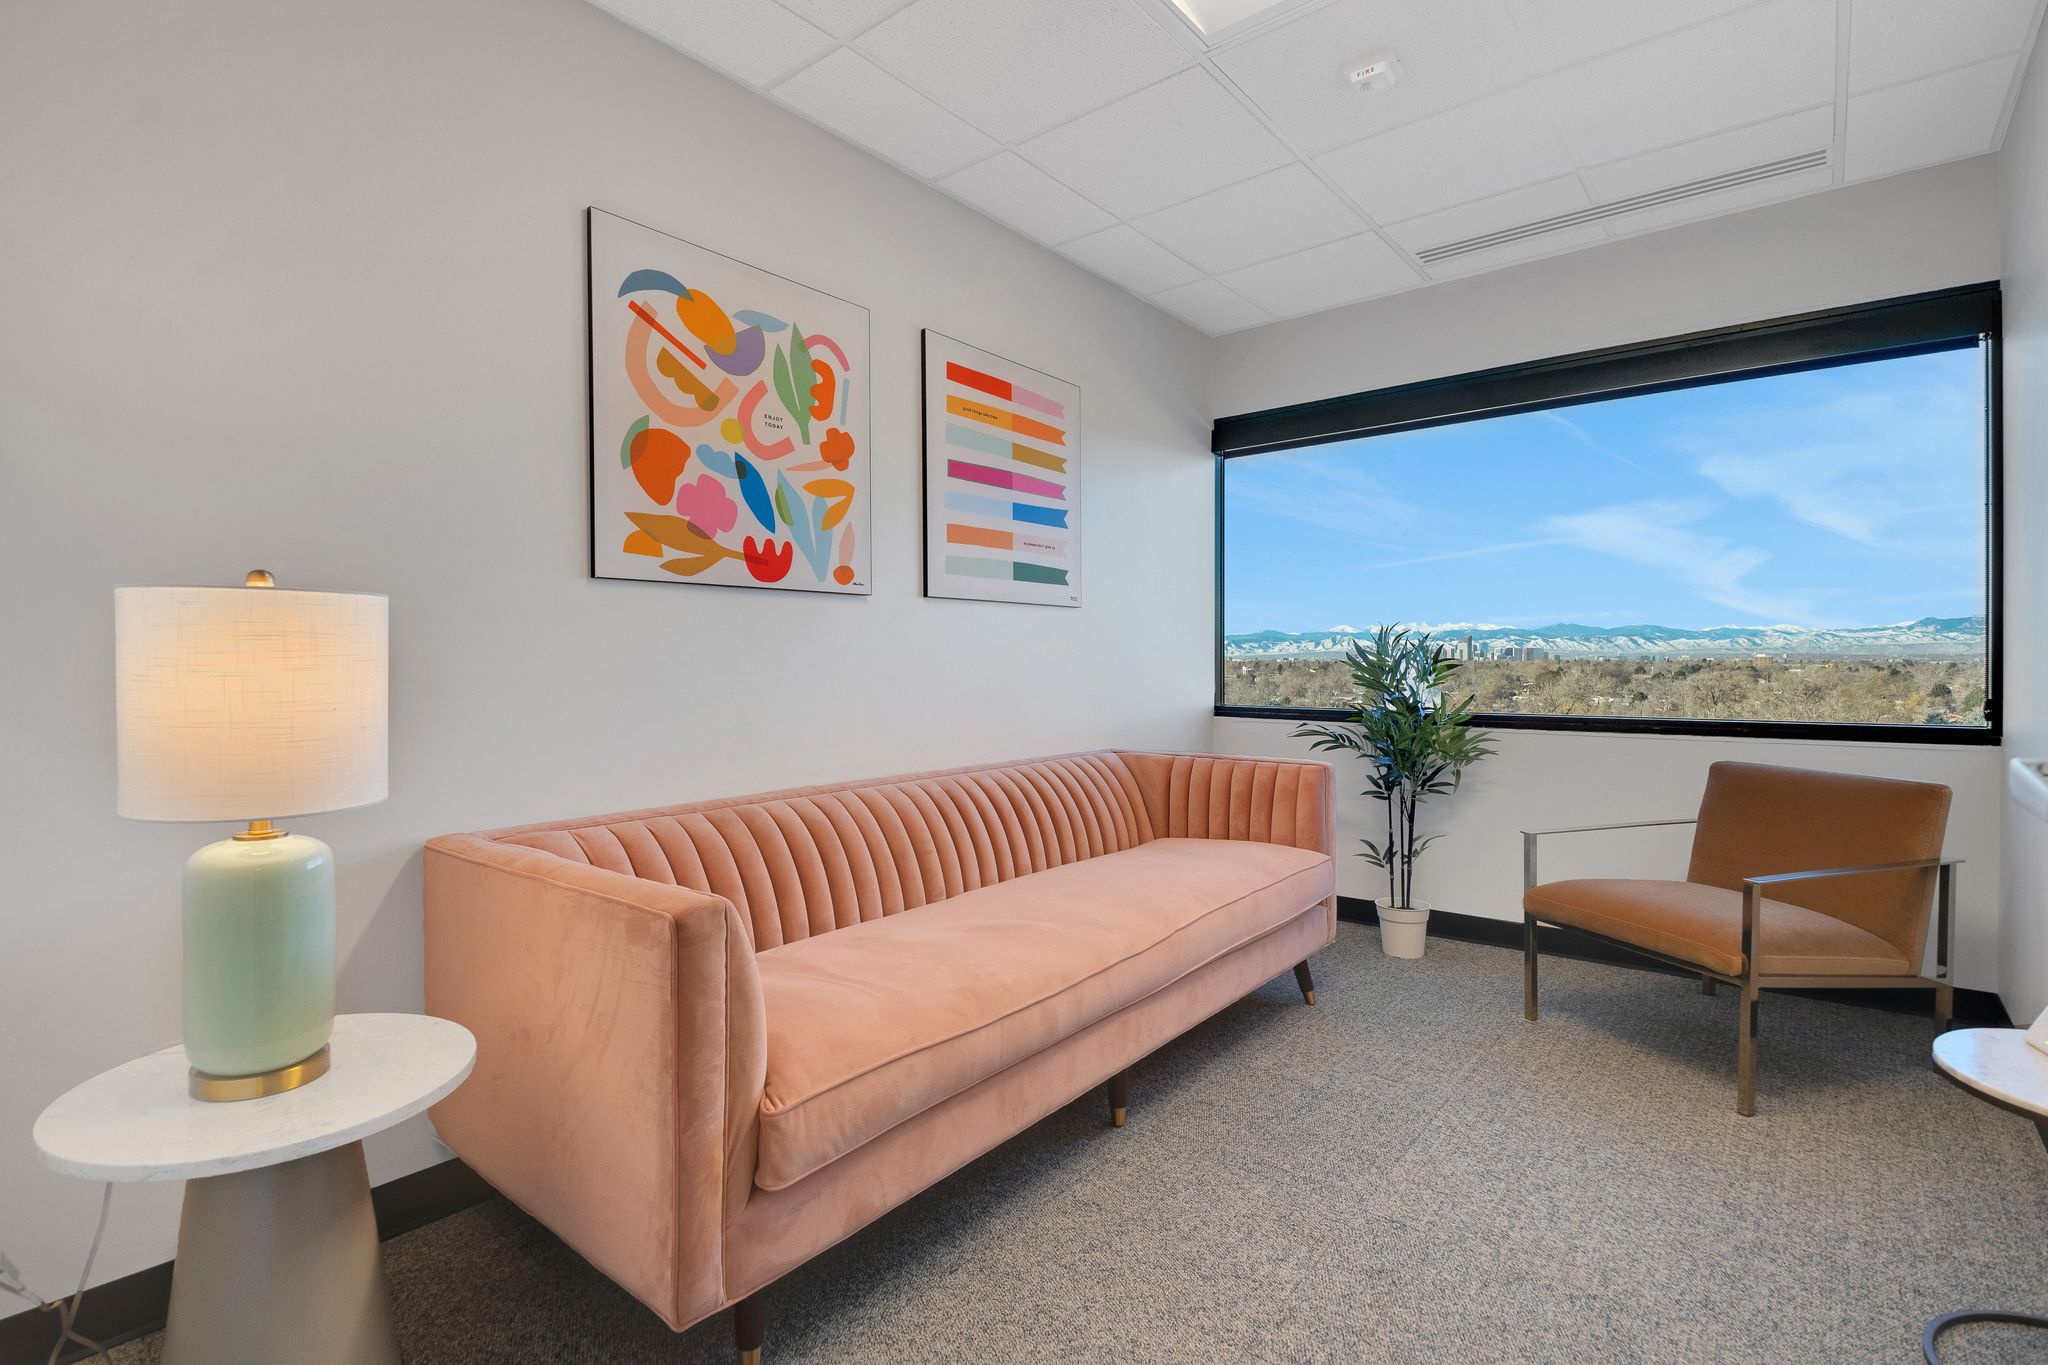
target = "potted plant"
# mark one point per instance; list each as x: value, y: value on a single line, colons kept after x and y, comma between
x: 1418, y: 747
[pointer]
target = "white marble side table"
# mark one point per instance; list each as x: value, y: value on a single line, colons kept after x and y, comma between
x: 277, y: 1248
x: 1999, y: 1065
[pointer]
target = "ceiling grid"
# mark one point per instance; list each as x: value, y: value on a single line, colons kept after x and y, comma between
x: 1239, y: 180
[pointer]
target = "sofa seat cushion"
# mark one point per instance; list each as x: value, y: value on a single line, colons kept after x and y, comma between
x: 1703, y: 925
x: 873, y: 1023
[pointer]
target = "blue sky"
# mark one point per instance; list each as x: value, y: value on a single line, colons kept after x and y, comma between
x: 1841, y: 497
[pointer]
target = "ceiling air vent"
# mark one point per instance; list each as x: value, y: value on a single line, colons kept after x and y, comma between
x: 1769, y: 170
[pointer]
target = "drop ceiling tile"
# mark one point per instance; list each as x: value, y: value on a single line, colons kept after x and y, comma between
x: 1806, y: 131
x: 1131, y: 259
x: 1355, y: 268
x: 1478, y: 149
x: 1939, y: 118
x: 1018, y: 67
x: 1560, y: 32
x: 1513, y: 253
x: 1529, y: 204
x: 851, y: 96
x: 1211, y: 307
x: 1270, y: 215
x: 843, y: 18
x: 1014, y: 192
x: 1449, y: 53
x: 1757, y: 63
x: 757, y: 41
x: 1900, y: 40
x: 1168, y: 142
x: 1734, y: 200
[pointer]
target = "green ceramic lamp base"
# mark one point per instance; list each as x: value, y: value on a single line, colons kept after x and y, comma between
x: 259, y: 963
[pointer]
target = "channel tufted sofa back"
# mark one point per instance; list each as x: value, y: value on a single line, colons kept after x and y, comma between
x: 810, y: 860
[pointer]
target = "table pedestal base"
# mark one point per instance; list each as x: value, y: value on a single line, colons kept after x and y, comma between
x: 281, y: 1264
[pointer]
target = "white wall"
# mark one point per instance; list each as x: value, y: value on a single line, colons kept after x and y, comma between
x: 1911, y: 233
x: 2023, y: 168
x: 301, y: 286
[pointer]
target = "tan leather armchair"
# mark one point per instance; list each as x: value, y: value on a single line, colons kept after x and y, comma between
x: 1798, y: 879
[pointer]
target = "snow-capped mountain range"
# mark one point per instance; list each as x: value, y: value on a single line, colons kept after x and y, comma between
x: 1931, y: 636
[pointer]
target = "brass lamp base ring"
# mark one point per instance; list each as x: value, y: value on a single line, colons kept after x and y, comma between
x: 220, y: 1089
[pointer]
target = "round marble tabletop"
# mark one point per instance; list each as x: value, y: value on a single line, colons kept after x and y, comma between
x: 137, y: 1122
x: 2000, y: 1063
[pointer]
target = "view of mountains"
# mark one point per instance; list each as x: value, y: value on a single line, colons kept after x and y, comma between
x: 1929, y: 637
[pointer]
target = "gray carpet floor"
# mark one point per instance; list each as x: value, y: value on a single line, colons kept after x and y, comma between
x: 1407, y: 1172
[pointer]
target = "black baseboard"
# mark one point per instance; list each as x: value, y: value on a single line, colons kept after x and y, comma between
x: 1977, y: 1009
x: 135, y: 1305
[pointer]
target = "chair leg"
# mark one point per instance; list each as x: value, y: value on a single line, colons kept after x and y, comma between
x: 1944, y: 1007
x: 1305, y: 981
x: 1706, y: 985
x: 1119, y: 1098
x: 1528, y: 966
x: 1745, y: 1054
x: 750, y: 1327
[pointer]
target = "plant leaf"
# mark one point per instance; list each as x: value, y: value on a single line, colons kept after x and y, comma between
x: 626, y: 445
x: 678, y: 534
x: 801, y: 380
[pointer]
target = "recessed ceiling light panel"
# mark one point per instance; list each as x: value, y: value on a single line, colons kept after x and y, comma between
x: 1212, y: 18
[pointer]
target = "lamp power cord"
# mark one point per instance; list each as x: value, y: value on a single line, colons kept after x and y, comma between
x: 66, y: 1309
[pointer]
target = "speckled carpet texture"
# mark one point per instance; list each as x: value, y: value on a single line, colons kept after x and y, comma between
x: 1408, y: 1171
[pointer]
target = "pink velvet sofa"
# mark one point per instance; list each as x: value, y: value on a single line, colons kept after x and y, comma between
x: 714, y: 1039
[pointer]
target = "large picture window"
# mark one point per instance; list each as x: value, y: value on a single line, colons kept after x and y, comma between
x: 1783, y: 529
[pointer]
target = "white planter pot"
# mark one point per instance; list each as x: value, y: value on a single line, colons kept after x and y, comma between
x: 1402, y: 929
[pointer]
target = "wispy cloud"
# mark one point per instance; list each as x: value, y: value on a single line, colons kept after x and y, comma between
x: 1471, y: 552
x: 1330, y: 494
x: 1659, y: 536
x: 1894, y: 469
x: 1589, y: 441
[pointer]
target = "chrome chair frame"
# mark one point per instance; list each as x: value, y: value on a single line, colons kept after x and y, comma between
x: 1753, y: 982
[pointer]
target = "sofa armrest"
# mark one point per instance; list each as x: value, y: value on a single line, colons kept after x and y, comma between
x: 1210, y: 796
x: 621, y: 1057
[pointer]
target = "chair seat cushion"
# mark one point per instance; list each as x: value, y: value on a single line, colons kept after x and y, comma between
x: 873, y: 1023
x: 1703, y: 925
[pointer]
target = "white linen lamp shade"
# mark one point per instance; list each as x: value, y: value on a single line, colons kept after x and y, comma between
x: 250, y: 703
x: 253, y: 703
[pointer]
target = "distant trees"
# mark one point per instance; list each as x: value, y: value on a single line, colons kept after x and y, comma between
x: 1842, y: 690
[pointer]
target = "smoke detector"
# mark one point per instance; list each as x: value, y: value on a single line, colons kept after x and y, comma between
x: 1373, y: 73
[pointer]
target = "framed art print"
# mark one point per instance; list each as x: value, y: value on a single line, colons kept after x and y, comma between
x: 728, y: 420
x: 1002, y: 478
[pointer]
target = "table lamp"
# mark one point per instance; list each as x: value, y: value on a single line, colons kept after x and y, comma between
x: 253, y: 704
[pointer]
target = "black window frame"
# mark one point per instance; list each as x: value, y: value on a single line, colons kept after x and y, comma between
x: 1915, y: 324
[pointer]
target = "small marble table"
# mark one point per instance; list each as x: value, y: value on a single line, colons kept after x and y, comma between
x: 1999, y: 1065
x: 277, y: 1248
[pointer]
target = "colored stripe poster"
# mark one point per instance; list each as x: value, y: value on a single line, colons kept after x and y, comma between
x: 1002, y: 479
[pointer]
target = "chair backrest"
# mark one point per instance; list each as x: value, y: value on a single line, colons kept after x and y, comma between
x: 807, y: 861
x: 1756, y: 820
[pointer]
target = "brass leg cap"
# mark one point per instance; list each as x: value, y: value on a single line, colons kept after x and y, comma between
x: 751, y: 1356
x: 1309, y: 996
x: 1116, y: 1118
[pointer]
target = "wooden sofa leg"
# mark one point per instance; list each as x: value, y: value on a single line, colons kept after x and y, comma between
x: 1706, y: 984
x: 1528, y: 966
x: 1944, y: 1007
x: 750, y: 1327
x: 1305, y: 981
x: 1119, y: 1098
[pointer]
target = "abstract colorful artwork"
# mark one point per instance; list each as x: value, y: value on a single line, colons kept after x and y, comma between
x: 728, y: 420
x: 1002, y: 479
